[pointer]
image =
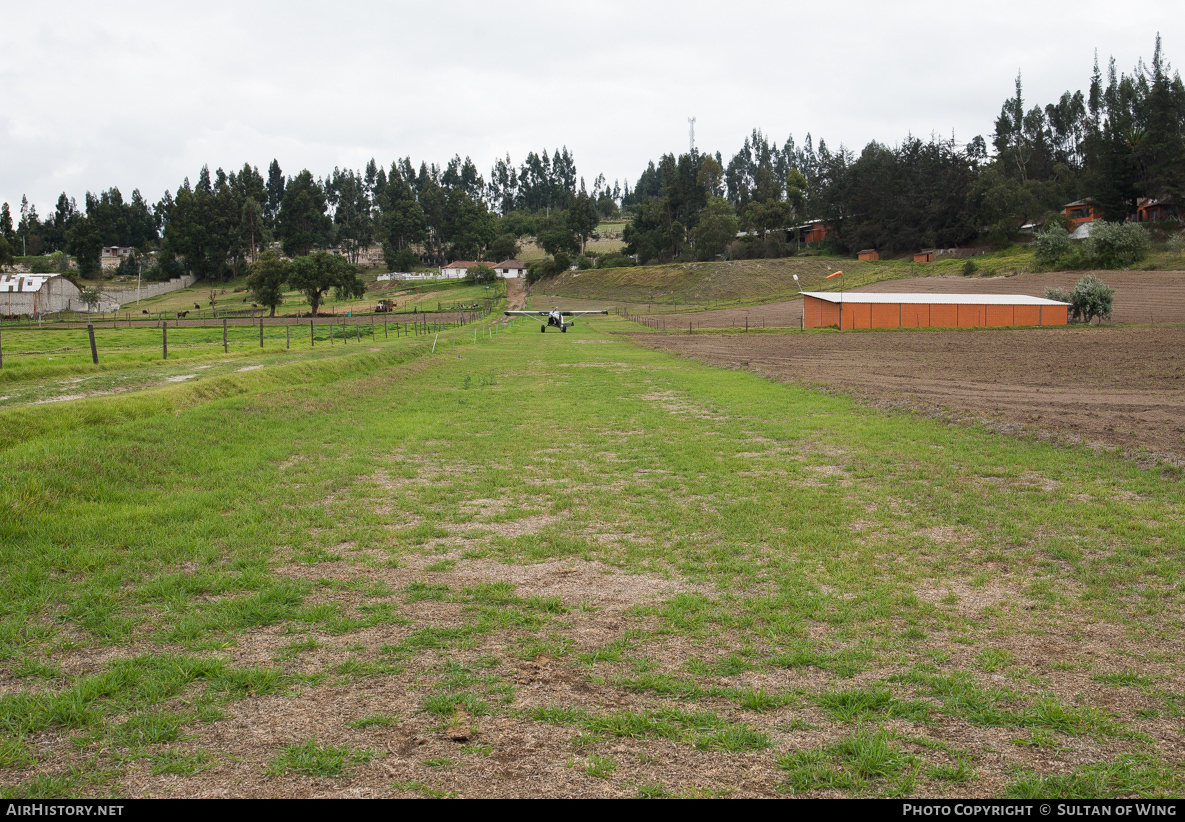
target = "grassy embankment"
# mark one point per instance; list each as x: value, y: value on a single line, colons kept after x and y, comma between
x: 774, y: 590
x: 693, y: 286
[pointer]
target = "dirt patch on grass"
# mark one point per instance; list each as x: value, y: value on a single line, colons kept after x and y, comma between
x: 677, y: 403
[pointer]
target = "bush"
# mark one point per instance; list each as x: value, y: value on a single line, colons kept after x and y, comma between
x: 164, y: 268
x: 1117, y: 245
x: 1092, y: 298
x: 558, y: 264
x: 1176, y: 243
x: 1089, y: 298
x: 481, y: 274
x: 41, y: 265
x: 615, y: 260
x: 129, y: 266
x: 969, y: 268
x: 584, y: 263
x: 1052, y: 246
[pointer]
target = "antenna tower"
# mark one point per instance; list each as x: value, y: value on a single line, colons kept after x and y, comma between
x: 691, y: 121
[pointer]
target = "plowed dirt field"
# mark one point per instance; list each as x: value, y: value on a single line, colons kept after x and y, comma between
x: 1117, y: 387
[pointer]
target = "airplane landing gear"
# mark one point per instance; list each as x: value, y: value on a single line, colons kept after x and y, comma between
x: 543, y: 329
x: 563, y: 329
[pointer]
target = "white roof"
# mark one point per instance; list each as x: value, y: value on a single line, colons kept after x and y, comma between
x: 24, y: 282
x: 936, y: 299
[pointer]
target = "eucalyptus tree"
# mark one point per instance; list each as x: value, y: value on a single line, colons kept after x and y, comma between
x: 302, y: 223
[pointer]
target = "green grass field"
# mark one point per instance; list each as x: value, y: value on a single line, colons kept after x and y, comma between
x: 545, y: 564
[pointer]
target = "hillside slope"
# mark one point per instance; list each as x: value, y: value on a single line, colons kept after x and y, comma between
x: 739, y: 282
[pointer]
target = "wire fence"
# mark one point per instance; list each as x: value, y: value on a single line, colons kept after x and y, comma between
x: 79, y: 342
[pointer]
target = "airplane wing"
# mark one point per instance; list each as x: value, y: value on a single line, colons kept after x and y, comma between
x: 571, y: 313
x: 528, y: 313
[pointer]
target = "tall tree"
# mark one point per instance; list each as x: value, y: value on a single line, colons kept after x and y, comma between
x: 275, y: 194
x: 717, y: 227
x: 302, y: 223
x: 583, y: 217
x: 402, y: 220
x: 315, y: 274
x: 1161, y: 154
x: 266, y: 279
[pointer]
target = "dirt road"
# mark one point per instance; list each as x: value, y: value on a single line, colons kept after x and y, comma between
x: 516, y: 294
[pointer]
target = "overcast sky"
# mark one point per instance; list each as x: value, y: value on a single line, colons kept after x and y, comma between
x: 140, y: 95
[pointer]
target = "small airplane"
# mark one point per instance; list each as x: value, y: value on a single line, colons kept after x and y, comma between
x: 554, y: 318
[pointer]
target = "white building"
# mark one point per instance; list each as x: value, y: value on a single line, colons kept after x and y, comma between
x: 507, y: 269
x: 511, y: 269
x: 457, y: 270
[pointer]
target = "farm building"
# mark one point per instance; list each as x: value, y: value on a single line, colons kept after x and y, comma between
x: 36, y: 294
x: 457, y: 270
x: 507, y: 269
x: 865, y: 310
x: 1082, y: 211
x: 511, y: 269
x: 1149, y: 209
x: 868, y: 255
x: 816, y: 231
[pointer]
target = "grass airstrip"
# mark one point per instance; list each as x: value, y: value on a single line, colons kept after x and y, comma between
x: 545, y: 564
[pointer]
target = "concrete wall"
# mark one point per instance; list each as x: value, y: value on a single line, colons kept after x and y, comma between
x: 123, y: 296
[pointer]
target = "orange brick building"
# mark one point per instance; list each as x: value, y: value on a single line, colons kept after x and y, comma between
x: 1082, y: 211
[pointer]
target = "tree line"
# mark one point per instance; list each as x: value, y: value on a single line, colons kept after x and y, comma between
x: 215, y: 228
x: 1121, y: 141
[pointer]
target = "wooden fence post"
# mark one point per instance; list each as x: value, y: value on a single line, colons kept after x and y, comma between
x: 224, y: 349
x: 164, y: 339
x: 287, y: 336
x: 261, y: 332
x: 312, y: 339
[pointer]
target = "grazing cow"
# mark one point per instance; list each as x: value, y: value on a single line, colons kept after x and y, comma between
x: 253, y: 305
x: 144, y: 311
x: 244, y: 299
x: 197, y: 307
